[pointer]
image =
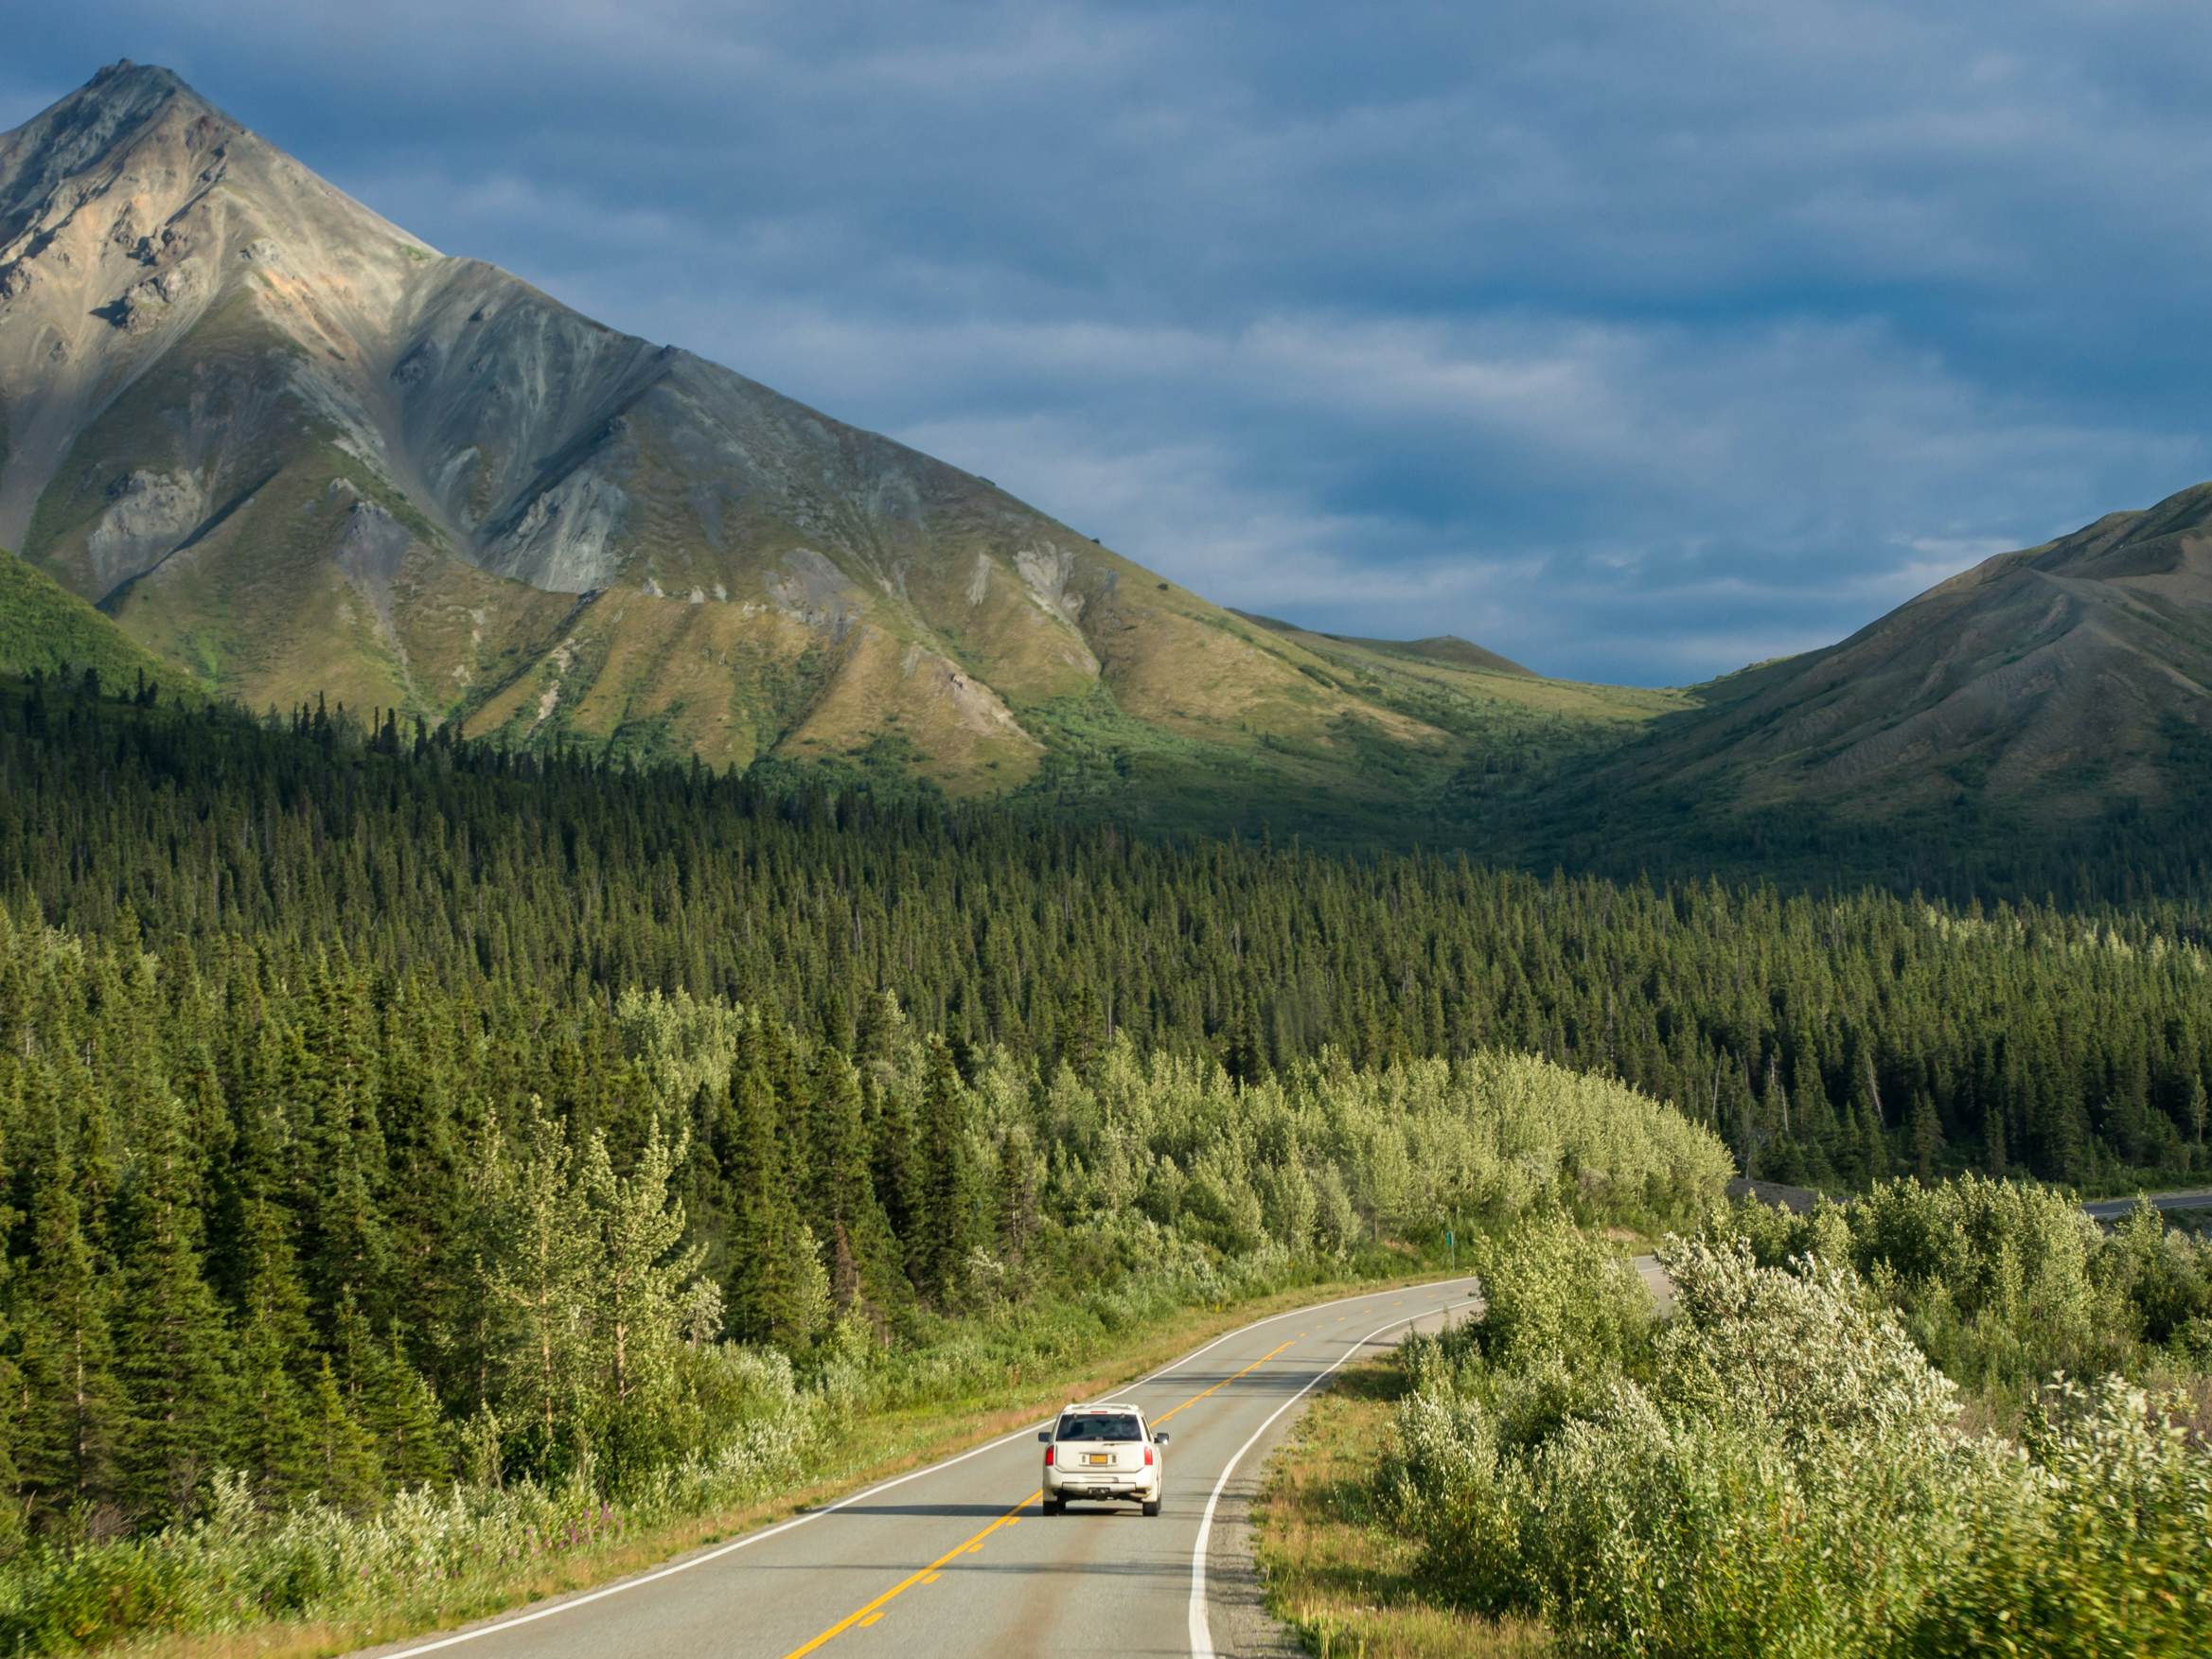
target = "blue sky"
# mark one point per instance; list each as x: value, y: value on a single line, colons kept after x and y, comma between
x: 1635, y: 340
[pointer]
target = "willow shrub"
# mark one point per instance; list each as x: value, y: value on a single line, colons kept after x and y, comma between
x: 2004, y: 1283
x: 1779, y: 1470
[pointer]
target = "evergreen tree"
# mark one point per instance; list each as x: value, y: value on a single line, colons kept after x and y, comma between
x: 75, y: 1408
x: 340, y: 1452
x: 275, y: 1344
x: 1927, y: 1139
x: 777, y: 1289
x: 172, y: 1343
x: 843, y: 1207
x: 400, y: 1415
x: 943, y: 1233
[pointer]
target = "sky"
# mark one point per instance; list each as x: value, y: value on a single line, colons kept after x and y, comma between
x: 1636, y: 341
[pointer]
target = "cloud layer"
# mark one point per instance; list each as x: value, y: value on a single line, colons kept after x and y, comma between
x: 1636, y: 341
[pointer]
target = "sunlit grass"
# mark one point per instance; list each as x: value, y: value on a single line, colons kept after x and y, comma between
x: 1335, y: 1568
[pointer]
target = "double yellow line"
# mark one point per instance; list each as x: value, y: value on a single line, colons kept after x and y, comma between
x: 873, y: 1610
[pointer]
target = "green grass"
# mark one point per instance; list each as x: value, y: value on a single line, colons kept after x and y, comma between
x: 1337, y: 1570
x: 44, y: 628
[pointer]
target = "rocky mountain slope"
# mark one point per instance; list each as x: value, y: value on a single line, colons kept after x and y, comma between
x: 296, y: 450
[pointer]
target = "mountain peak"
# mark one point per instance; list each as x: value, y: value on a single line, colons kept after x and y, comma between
x: 123, y: 95
x: 92, y: 130
x: 124, y: 73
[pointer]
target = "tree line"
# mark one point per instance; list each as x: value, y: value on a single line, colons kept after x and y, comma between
x: 1827, y: 1038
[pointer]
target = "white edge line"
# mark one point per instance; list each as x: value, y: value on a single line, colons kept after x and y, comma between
x: 589, y: 1597
x: 1201, y: 1626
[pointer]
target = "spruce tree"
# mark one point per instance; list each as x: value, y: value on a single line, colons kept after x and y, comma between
x: 341, y: 1454
x: 275, y: 1346
x: 172, y: 1344
x: 943, y: 1231
x: 75, y: 1408
x: 777, y: 1289
x: 400, y: 1413
x: 842, y: 1209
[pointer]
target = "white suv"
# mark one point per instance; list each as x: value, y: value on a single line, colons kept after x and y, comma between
x: 1102, y: 1452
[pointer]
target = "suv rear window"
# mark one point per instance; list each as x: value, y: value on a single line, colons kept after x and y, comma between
x: 1098, y: 1426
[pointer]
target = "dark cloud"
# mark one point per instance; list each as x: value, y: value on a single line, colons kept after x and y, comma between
x: 1636, y: 340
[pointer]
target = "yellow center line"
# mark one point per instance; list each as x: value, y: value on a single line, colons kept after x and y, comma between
x: 1218, y: 1387
x: 861, y: 1615
x: 874, y: 1610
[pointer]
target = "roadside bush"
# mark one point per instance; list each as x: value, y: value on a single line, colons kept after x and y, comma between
x: 2097, y: 1546
x: 1780, y: 1470
x: 2003, y: 1283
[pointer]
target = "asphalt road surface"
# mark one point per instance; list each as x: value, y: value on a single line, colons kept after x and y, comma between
x: 957, y: 1560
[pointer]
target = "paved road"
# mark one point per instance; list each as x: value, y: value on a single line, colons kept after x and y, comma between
x: 957, y: 1560
x: 2108, y: 1208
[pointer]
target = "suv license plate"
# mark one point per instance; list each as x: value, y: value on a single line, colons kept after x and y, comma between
x: 1097, y: 1458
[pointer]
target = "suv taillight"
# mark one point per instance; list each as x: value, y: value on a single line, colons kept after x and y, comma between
x: 1148, y: 1456
x: 1048, y: 1456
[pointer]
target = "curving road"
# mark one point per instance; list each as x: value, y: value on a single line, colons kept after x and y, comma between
x: 957, y: 1560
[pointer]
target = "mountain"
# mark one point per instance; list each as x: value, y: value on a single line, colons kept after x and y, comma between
x: 2062, y: 676
x: 2047, y: 707
x: 297, y: 451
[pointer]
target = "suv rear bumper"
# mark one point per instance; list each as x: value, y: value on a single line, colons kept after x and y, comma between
x: 1077, y: 1484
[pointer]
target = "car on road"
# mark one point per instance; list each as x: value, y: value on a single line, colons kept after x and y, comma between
x: 1102, y: 1454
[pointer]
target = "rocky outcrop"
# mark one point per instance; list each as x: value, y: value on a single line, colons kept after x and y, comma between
x: 149, y: 514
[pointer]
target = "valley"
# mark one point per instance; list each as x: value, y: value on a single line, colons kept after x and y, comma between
x: 610, y: 986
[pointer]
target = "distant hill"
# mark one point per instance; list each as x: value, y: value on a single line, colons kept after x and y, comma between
x: 2057, y: 678
x: 44, y: 628
x: 1446, y: 648
x: 2048, y: 705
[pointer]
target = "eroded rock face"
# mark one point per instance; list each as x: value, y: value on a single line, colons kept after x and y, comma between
x: 148, y: 516
x: 370, y: 550
x: 813, y: 589
x: 564, y: 539
x: 159, y: 299
x: 979, y: 708
x: 1048, y: 571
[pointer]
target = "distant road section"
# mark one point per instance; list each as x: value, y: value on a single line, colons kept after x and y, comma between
x: 1801, y: 1199
x: 2110, y: 1209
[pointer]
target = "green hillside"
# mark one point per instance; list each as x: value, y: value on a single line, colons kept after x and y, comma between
x: 44, y: 628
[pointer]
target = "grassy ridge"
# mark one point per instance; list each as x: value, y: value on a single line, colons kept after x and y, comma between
x: 44, y: 628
